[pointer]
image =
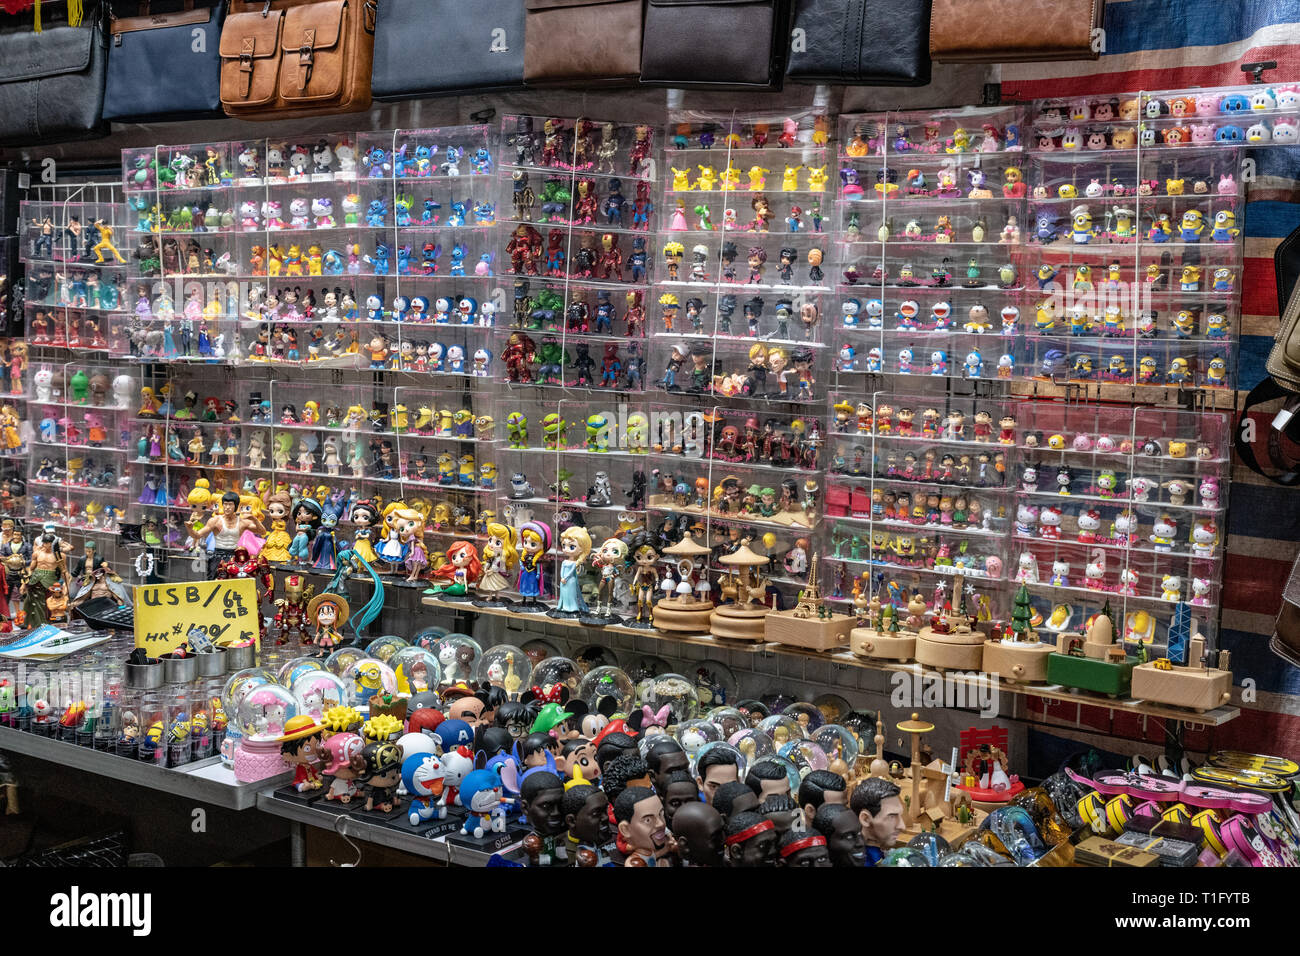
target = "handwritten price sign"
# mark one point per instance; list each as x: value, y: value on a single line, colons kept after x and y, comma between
x: 227, y: 611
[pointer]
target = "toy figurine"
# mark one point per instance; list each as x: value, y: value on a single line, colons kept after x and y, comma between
x: 574, y: 546
x: 301, y: 749
x: 462, y: 571
x: 378, y: 767
x: 534, y: 542
x: 328, y: 612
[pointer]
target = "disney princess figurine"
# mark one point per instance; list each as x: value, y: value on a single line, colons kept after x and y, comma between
x: 574, y: 546
x: 461, y: 571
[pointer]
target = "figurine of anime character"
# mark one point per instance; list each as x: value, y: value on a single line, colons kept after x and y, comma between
x: 481, y: 794
x: 609, y: 560
x: 574, y: 547
x: 379, y: 769
x: 329, y: 612
x: 461, y: 572
x: 534, y: 542
x: 301, y: 749
x: 499, y: 559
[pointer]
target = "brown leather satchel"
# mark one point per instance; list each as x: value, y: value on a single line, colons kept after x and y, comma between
x: 989, y: 31
x: 1285, y: 642
x: 591, y: 41
x: 283, y: 58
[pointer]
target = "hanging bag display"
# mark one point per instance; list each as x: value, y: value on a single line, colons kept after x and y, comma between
x: 52, y: 82
x: 164, y: 66
x: 992, y: 31
x: 582, y: 42
x: 489, y: 45
x: 861, y: 42
x: 284, y: 58
x: 724, y: 44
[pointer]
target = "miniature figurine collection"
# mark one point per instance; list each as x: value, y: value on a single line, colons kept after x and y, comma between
x: 647, y: 379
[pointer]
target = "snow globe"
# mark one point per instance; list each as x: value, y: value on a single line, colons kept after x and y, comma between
x: 715, y: 684
x: 383, y: 648
x: 666, y: 701
x: 505, y: 666
x: 607, y: 690
x: 593, y: 656
x: 753, y: 744
x: 366, y: 678
x: 808, y: 716
x: 538, y: 650
x: 834, y: 708
x: 428, y: 637
x: 292, y: 669
x: 417, y: 670
x: 260, y: 717
x: 728, y: 720
x: 806, y: 755
x: 556, y: 672
x: 237, y: 686
x: 840, y: 746
x: 343, y: 658
x: 694, y: 734
x: 318, y: 691
x: 782, y: 728
x: 458, y: 654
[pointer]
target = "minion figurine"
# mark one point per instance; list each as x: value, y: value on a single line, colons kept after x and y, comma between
x: 1178, y: 373
x: 446, y: 469
x: 1193, y: 225
x: 399, y: 418
x: 1191, y: 279
x: 467, y: 471
x: 1216, y: 326
x: 1216, y: 373
x: 1112, y: 322
x: 1223, y: 280
x: 1184, y: 324
x: 1080, y: 321
x: 1225, y: 226
x: 1117, y: 369
x: 1083, y: 278
x: 1123, y: 229
x: 1082, y: 367
x: 1081, y: 228
x: 487, y: 475
x: 1148, y: 372
x: 1160, y: 230
x: 1044, y: 317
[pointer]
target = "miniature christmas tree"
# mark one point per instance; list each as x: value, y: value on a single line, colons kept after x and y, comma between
x: 1021, y: 614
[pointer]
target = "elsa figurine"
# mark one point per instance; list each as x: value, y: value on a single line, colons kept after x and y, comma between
x: 575, y: 546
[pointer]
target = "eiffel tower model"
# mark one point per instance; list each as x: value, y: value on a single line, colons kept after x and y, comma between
x: 810, y: 599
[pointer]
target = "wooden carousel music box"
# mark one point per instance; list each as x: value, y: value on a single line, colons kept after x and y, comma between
x: 1094, y: 663
x: 679, y: 610
x: 1018, y: 656
x: 810, y: 623
x: 744, y: 617
x: 880, y: 635
x: 1193, y: 685
x: 951, y: 642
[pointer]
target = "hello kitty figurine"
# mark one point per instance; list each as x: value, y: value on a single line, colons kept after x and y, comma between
x: 298, y: 209
x: 1094, y: 573
x: 1179, y: 490
x: 1049, y: 524
x: 1204, y: 537
x: 1060, y: 573
x: 1140, y: 488
x: 1105, y: 444
x: 322, y: 210
x: 1128, y: 583
x: 248, y: 220
x: 1027, y: 568
x: 1089, y: 523
x: 1026, y: 519
x: 1123, y: 529
x: 1200, y: 592
x: 1171, y: 588
x: 43, y: 381
x: 1163, y: 533
x: 271, y: 214
x: 1209, y: 492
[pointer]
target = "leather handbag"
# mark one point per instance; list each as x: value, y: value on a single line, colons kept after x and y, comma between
x: 284, y: 58
x: 488, y: 45
x: 723, y: 44
x: 861, y: 42
x: 164, y: 66
x: 52, y: 82
x: 995, y: 31
x: 569, y: 42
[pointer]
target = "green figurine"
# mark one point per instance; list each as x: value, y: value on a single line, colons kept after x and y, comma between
x: 80, y: 386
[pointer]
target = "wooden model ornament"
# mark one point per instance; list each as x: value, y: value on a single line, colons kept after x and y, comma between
x: 743, y: 619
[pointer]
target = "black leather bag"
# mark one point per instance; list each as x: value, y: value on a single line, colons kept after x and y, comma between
x: 722, y: 44
x: 436, y: 47
x: 52, y: 82
x: 861, y: 42
x: 164, y: 66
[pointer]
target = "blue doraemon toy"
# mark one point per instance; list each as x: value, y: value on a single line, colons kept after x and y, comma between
x: 481, y: 795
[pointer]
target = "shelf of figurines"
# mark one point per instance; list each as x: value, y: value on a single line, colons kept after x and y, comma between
x: 201, y: 780
x: 1194, y: 694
